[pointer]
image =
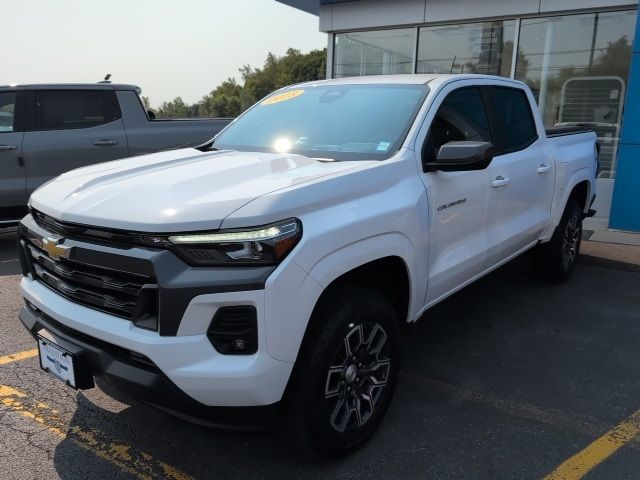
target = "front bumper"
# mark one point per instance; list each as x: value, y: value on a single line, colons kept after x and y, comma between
x: 188, y: 363
x: 137, y: 376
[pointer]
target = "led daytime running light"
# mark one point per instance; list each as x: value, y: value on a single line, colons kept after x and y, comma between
x: 268, y: 233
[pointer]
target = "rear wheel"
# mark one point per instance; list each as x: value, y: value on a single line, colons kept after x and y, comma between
x: 555, y: 260
x: 346, y: 372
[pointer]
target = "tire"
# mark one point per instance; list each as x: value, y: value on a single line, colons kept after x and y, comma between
x: 555, y: 260
x: 346, y: 373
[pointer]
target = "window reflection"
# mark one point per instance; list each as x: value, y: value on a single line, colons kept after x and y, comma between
x: 381, y: 52
x: 577, y: 67
x: 484, y: 47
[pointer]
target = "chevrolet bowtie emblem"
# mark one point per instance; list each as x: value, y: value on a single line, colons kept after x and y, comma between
x: 52, y: 246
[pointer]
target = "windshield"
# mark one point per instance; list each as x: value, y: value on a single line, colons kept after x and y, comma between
x: 340, y: 122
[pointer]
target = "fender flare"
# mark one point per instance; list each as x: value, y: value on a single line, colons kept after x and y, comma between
x: 348, y: 257
x: 582, y: 175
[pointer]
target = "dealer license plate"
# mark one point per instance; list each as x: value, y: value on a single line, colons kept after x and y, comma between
x: 57, y: 361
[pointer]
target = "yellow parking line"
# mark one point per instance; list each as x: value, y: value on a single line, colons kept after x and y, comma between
x: 137, y: 463
x: 601, y: 449
x: 18, y: 356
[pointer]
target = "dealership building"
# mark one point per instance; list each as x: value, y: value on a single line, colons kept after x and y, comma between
x: 581, y: 59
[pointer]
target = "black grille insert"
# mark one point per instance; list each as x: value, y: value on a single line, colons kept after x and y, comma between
x: 106, y: 289
x: 84, y: 232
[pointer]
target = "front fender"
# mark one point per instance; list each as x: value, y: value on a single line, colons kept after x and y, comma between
x: 291, y: 298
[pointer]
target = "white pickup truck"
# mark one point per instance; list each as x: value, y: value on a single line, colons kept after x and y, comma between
x: 270, y: 270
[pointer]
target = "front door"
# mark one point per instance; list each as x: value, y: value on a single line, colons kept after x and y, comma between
x: 458, y: 201
x: 68, y: 129
x: 13, y: 196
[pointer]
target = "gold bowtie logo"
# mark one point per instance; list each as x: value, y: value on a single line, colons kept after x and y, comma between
x: 52, y: 246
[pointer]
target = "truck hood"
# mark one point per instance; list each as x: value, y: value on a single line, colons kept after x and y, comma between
x: 180, y: 190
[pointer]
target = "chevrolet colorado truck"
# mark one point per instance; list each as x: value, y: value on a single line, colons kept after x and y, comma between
x: 46, y: 130
x: 269, y: 271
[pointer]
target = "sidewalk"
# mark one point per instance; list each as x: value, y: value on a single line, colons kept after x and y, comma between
x: 613, y: 249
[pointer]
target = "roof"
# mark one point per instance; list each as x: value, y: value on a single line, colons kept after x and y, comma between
x: 408, y: 79
x: 405, y: 79
x: 75, y: 86
x: 311, y: 6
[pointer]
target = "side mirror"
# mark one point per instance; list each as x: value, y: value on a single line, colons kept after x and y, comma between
x: 460, y: 156
x: 151, y: 114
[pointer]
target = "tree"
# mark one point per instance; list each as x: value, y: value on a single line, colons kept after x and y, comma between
x: 224, y: 101
x: 146, y: 103
x: 176, y: 108
x: 614, y: 60
x: 278, y: 72
x: 229, y: 99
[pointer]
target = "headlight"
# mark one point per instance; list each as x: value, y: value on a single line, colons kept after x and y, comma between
x: 266, y: 245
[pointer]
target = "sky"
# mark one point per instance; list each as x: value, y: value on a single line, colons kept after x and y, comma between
x: 169, y: 48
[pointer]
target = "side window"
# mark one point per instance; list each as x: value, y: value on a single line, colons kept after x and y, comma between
x: 64, y: 109
x: 7, y: 111
x: 461, y: 116
x: 514, y: 113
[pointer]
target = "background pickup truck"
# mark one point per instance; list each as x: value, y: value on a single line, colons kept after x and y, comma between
x: 271, y: 269
x: 46, y: 130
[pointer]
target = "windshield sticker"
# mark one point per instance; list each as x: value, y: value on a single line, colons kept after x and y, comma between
x: 282, y: 97
x: 383, y: 146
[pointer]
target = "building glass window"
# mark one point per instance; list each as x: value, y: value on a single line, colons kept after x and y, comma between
x: 484, y: 47
x: 577, y: 67
x: 380, y: 52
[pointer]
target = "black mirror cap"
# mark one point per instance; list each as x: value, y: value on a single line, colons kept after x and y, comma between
x: 463, y: 155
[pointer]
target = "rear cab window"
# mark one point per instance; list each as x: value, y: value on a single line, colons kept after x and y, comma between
x: 515, y: 119
x: 72, y: 109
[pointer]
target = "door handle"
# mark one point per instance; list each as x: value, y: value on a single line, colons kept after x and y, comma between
x: 7, y: 147
x: 500, y: 181
x: 105, y: 143
x: 543, y: 168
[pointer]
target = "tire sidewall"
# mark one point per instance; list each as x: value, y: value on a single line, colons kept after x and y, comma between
x: 337, y: 320
x: 572, y: 210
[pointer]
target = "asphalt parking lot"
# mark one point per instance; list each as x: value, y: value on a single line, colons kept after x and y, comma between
x: 508, y: 379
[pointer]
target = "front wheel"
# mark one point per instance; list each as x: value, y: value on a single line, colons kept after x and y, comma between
x: 346, y: 372
x: 555, y: 260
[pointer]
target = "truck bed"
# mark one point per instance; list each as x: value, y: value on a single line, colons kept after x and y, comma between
x: 561, y: 130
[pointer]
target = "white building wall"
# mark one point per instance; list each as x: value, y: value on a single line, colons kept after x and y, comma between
x: 460, y: 10
x: 364, y: 14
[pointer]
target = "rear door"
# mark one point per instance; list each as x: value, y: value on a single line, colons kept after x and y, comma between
x: 67, y: 129
x: 521, y: 175
x: 457, y: 200
x: 13, y: 196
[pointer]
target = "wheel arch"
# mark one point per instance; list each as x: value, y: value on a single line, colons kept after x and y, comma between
x: 364, y: 261
x: 580, y: 186
x: 581, y: 192
x: 387, y: 276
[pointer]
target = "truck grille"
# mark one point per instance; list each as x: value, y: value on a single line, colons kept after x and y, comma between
x: 113, y: 291
x: 83, y: 232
